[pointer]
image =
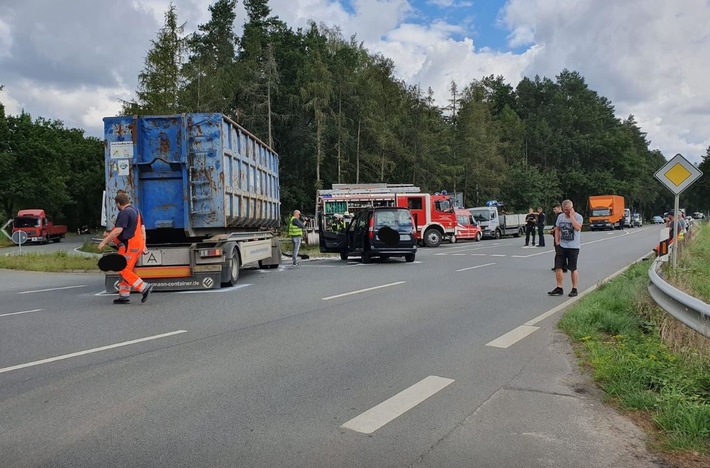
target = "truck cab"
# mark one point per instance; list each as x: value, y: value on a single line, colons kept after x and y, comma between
x: 38, y: 226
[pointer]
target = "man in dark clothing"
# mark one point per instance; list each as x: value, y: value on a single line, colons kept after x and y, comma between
x: 530, y: 221
x: 540, y: 227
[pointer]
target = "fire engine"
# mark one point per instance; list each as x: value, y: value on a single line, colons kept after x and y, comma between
x: 434, y: 216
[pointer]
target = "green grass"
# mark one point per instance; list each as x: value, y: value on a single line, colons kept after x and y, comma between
x: 618, y: 331
x: 52, y: 262
x: 694, y: 266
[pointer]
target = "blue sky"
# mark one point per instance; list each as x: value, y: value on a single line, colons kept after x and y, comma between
x: 650, y: 58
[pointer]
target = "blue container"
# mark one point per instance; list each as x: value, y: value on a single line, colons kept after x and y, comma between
x: 198, y: 173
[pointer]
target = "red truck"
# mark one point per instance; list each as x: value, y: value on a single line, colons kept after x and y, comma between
x: 434, y: 216
x: 38, y: 227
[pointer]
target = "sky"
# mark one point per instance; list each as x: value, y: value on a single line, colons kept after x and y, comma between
x: 75, y: 60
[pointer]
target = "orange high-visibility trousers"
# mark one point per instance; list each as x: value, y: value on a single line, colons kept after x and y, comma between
x: 132, y: 252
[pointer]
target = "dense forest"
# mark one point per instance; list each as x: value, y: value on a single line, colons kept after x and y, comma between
x: 336, y: 113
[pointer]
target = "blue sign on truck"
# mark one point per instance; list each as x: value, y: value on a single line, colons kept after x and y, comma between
x: 208, y: 191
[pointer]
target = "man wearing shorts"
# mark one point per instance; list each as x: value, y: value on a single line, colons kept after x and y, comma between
x: 568, y: 229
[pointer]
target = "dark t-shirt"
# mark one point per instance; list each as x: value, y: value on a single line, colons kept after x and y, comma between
x: 128, y: 220
x: 541, y: 219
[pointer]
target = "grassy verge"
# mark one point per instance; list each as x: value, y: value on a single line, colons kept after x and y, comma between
x: 52, y: 262
x: 646, y: 362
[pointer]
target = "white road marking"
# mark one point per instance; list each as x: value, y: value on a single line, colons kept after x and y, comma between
x: 363, y: 290
x: 479, y: 255
x: 477, y: 266
x: 512, y: 336
x: 498, y: 255
x: 21, y: 312
x: 89, y: 351
x: 215, y: 291
x: 52, y: 289
x: 376, y: 417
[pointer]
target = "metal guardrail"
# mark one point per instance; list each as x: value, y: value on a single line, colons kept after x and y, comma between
x: 691, y: 311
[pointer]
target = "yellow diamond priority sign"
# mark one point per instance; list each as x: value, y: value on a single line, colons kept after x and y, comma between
x: 678, y: 174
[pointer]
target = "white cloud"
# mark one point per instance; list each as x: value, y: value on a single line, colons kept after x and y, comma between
x: 73, y: 60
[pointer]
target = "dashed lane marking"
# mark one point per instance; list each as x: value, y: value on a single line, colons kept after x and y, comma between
x: 477, y: 266
x: 376, y: 417
x: 363, y: 290
x: 21, y: 312
x: 512, y: 336
x: 52, y: 289
x: 89, y: 351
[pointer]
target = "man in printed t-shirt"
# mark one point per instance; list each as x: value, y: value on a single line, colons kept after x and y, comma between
x: 568, y: 235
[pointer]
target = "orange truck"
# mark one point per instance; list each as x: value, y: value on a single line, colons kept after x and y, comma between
x: 605, y: 212
x: 38, y: 226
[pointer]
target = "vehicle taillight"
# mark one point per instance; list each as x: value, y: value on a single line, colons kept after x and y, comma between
x: 371, y: 228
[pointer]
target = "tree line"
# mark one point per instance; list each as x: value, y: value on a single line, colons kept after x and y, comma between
x: 336, y: 113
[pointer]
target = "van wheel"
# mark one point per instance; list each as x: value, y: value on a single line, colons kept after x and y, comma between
x: 452, y: 240
x: 479, y: 236
x: 343, y: 255
x: 432, y: 238
x: 409, y: 257
x: 496, y: 234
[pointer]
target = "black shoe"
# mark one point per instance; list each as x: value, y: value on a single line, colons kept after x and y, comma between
x: 122, y: 300
x: 564, y: 270
x: 146, y: 292
x: 541, y: 245
x: 573, y: 292
x: 556, y: 292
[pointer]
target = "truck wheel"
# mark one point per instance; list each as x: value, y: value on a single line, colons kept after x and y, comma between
x: 496, y: 234
x: 479, y: 236
x: 343, y: 255
x: 409, y: 257
x: 234, y: 269
x: 432, y: 238
x: 45, y: 241
x: 452, y: 240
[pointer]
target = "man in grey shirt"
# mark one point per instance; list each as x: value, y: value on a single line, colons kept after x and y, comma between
x: 568, y: 229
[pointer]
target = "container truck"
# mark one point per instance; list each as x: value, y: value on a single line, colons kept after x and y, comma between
x: 38, y: 226
x: 433, y: 214
x: 208, y: 192
x: 606, y: 212
x: 495, y: 224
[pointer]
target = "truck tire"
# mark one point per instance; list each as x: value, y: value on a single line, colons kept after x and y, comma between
x: 479, y: 236
x: 496, y: 235
x: 234, y: 267
x: 452, y: 240
x: 432, y: 237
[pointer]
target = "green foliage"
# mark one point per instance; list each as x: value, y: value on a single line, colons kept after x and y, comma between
x: 635, y: 367
x: 54, y: 262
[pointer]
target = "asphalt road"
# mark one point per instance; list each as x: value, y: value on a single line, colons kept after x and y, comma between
x: 452, y: 360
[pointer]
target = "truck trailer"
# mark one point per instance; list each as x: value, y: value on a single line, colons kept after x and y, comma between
x: 606, y: 212
x: 208, y: 193
x: 496, y: 225
x: 38, y: 226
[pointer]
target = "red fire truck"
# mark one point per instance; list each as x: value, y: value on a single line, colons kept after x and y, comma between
x: 433, y: 215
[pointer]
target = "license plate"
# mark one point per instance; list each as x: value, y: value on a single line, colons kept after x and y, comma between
x: 404, y: 237
x: 152, y: 258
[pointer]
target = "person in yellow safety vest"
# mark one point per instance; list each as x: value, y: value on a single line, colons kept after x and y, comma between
x: 295, y: 232
x: 338, y: 225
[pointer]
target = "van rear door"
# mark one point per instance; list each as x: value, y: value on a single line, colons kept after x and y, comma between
x: 329, y: 239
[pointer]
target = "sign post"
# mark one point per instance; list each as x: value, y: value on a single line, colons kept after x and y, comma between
x: 677, y: 174
x: 19, y: 238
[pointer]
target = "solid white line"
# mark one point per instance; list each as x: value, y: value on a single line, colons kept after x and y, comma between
x: 477, y: 266
x: 89, y: 351
x: 22, y: 312
x: 512, y: 336
x: 52, y: 289
x: 363, y: 290
x: 376, y: 417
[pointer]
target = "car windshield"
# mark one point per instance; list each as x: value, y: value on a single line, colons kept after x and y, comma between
x: 601, y: 212
x: 481, y: 215
x: 394, y: 218
x: 27, y: 222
